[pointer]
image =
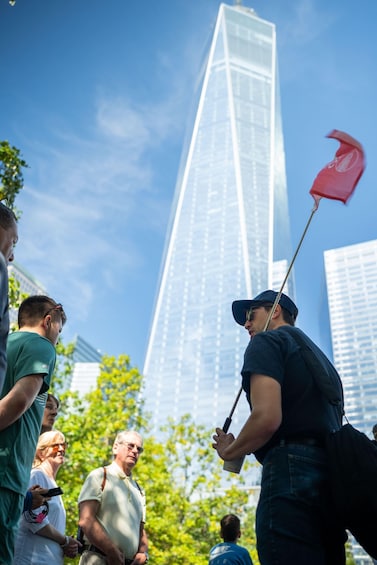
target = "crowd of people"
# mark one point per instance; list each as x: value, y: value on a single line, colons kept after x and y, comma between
x: 32, y: 514
x: 289, y: 418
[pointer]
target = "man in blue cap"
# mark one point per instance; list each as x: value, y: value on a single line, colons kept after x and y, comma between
x: 289, y: 418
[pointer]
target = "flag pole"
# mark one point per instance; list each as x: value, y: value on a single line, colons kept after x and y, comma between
x: 329, y: 183
x: 228, y: 420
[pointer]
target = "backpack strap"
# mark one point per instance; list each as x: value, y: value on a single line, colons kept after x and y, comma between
x: 104, y: 478
x: 138, y: 486
x: 325, y: 376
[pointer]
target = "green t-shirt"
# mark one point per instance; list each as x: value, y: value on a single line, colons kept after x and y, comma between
x: 28, y: 353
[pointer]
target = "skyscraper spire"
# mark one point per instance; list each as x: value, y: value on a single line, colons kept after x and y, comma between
x: 229, y: 235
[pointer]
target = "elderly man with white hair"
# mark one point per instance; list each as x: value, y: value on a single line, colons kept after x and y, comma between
x: 112, y: 509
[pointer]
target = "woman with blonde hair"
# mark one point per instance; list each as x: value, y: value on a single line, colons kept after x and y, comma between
x: 41, y: 538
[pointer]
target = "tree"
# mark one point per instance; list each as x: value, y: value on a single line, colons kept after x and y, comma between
x: 11, y: 177
x: 90, y: 425
x: 186, y: 496
x: 190, y: 494
x: 11, y: 182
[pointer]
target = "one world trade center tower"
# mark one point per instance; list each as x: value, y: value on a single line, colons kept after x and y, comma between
x: 229, y: 230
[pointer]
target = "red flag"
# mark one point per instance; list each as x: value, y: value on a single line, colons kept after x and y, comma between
x: 339, y: 178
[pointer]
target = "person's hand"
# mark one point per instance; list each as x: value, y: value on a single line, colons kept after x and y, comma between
x: 222, y: 441
x: 38, y: 496
x: 140, y: 559
x: 72, y: 549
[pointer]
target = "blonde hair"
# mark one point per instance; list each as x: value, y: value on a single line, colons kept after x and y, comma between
x: 46, y: 440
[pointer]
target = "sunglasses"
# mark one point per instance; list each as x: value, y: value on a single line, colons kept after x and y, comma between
x: 251, y: 313
x: 132, y: 446
x: 58, y: 447
x: 58, y: 307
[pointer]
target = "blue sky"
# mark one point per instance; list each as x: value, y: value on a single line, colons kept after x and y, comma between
x: 96, y: 94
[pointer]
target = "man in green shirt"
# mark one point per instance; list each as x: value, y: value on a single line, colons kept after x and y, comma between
x: 31, y: 360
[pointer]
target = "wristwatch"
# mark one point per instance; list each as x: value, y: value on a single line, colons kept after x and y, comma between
x: 146, y: 555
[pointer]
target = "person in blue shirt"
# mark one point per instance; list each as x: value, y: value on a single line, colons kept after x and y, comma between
x: 228, y: 552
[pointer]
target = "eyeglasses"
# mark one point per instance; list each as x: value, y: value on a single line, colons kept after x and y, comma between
x: 250, y: 313
x: 132, y: 446
x: 58, y: 447
x: 62, y: 313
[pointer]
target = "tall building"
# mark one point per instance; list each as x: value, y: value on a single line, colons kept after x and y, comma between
x: 84, y: 352
x: 86, y: 358
x: 28, y: 285
x: 84, y: 377
x: 351, y: 279
x: 86, y: 368
x: 229, y: 231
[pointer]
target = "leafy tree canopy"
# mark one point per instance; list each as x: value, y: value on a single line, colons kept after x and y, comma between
x: 187, y: 493
x: 11, y: 177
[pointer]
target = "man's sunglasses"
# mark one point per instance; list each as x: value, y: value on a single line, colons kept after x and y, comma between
x: 58, y: 307
x: 250, y: 313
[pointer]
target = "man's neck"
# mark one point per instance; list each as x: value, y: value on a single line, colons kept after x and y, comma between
x: 33, y: 329
x: 124, y: 468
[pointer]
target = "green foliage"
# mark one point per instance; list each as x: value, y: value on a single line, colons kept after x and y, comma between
x: 11, y: 177
x: 349, y: 556
x: 63, y: 368
x: 15, y: 297
x: 187, y: 492
x: 189, y: 495
x: 91, y: 424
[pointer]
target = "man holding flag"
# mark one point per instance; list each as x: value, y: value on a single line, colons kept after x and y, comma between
x: 289, y: 419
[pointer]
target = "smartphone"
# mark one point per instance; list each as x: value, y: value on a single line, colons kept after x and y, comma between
x: 53, y: 492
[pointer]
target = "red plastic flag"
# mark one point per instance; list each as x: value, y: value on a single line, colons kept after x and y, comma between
x: 339, y: 178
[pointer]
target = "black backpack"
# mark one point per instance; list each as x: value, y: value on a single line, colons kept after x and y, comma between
x: 352, y: 460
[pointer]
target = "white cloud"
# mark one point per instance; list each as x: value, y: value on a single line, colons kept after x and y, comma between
x: 306, y: 22
x: 117, y: 119
x: 82, y: 197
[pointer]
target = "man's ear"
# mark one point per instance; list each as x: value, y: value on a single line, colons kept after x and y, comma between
x: 277, y: 311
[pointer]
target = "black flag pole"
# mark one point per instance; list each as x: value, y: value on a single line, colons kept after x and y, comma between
x: 228, y: 420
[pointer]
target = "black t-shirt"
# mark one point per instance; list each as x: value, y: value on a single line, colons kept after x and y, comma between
x: 306, y: 413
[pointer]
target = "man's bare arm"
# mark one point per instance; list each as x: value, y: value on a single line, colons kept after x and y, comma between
x: 19, y: 399
x: 142, y: 552
x: 95, y: 533
x: 264, y: 420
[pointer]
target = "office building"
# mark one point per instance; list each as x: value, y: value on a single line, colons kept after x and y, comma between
x: 86, y: 358
x: 351, y: 279
x: 229, y: 231
x: 86, y: 367
x: 28, y: 285
x: 84, y: 352
x: 84, y: 377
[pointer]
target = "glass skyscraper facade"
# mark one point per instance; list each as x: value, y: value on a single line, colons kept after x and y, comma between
x: 351, y: 279
x: 229, y: 232
x: 28, y: 285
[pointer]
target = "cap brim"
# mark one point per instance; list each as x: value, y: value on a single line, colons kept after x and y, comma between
x: 239, y: 309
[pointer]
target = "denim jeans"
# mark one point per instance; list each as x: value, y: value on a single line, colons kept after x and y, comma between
x: 294, y: 519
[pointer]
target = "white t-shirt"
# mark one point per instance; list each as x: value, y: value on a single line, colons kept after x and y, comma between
x: 122, y: 506
x: 30, y: 548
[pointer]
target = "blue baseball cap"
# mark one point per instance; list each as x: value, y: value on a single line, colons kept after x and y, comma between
x: 240, y: 307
